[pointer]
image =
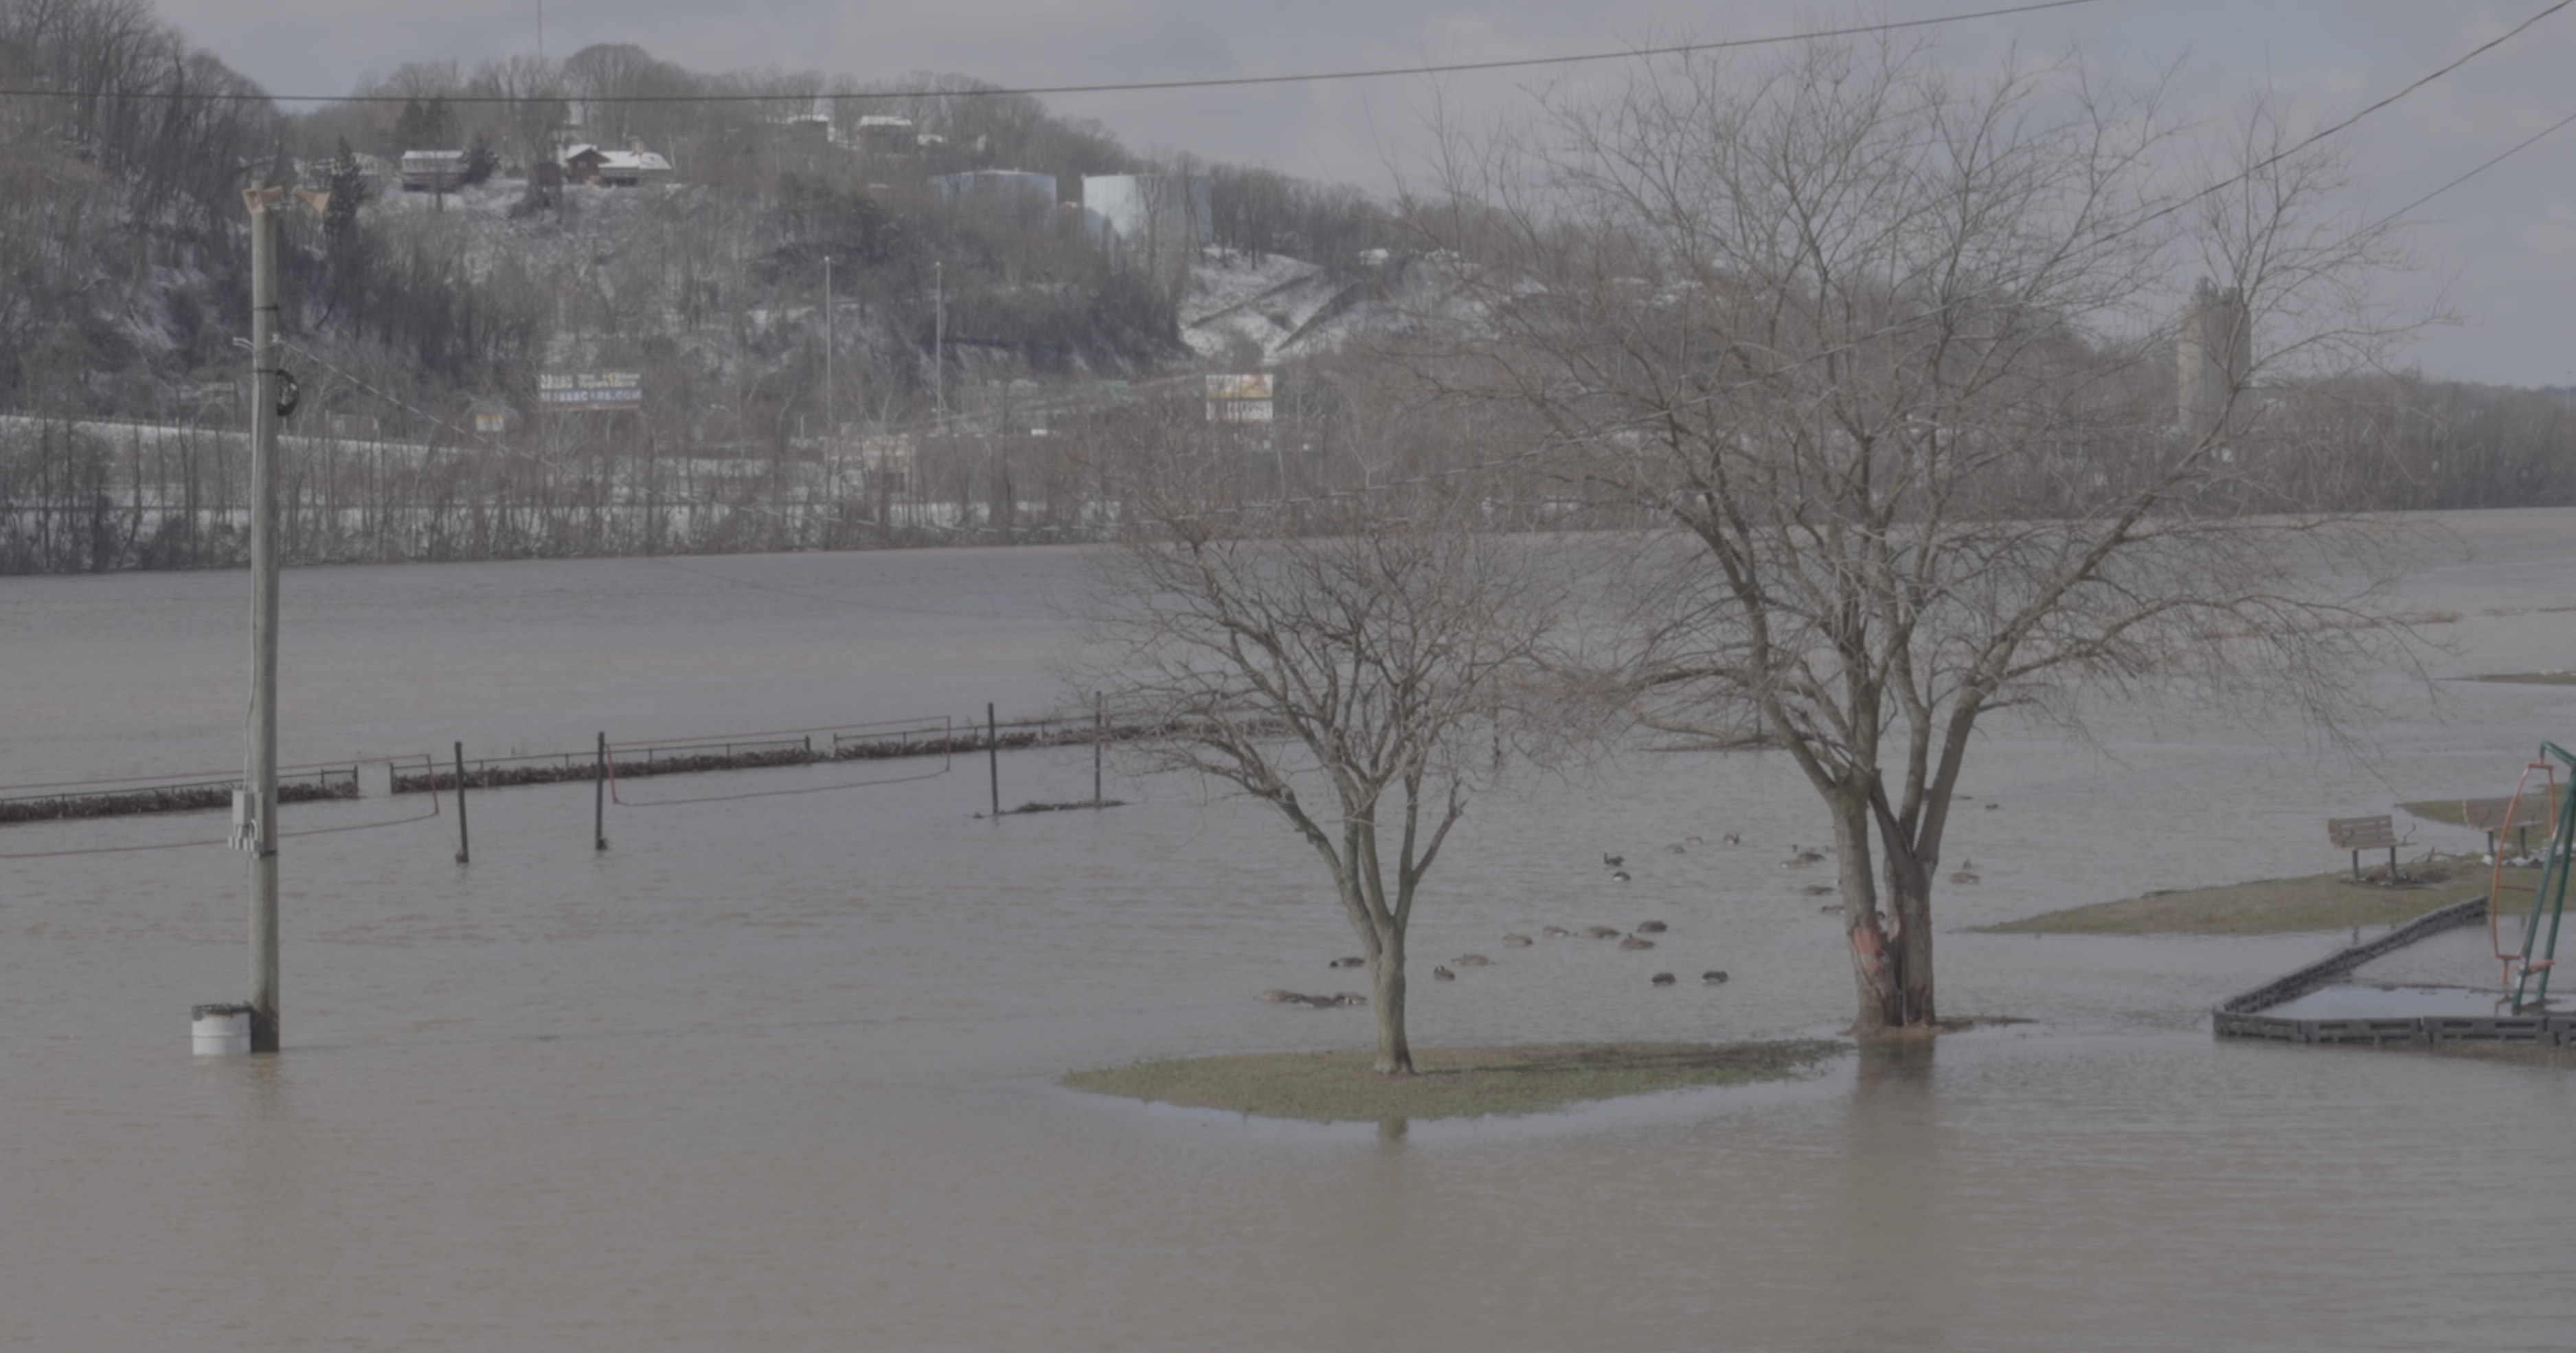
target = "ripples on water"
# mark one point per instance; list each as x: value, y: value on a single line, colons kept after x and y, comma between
x: 778, y: 1073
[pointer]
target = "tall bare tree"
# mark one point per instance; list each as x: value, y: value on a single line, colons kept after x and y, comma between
x: 1891, y: 352
x: 1357, y: 662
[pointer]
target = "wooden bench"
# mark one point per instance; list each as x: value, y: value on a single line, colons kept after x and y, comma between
x: 2357, y: 834
x: 2488, y: 815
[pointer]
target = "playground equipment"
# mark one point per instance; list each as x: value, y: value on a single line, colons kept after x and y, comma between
x: 2525, y: 972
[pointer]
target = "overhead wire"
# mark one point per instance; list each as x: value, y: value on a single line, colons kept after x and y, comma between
x: 2330, y: 130
x: 1119, y: 87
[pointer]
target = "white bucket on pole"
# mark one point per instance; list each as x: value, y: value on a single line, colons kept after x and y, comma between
x: 219, y: 1030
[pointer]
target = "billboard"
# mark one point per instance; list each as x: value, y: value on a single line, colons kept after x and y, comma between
x: 579, y: 391
x: 1238, y: 398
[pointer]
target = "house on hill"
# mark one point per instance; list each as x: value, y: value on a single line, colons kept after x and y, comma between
x: 432, y: 171
x: 615, y: 168
x: 883, y: 134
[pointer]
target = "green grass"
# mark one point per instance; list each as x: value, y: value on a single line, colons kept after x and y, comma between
x: 2271, y: 906
x: 2531, y: 678
x: 2453, y: 812
x: 1339, y: 1087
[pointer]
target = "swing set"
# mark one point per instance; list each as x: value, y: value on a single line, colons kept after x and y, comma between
x: 2528, y: 967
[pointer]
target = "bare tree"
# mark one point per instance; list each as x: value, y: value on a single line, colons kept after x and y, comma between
x: 1363, y: 680
x: 1893, y: 355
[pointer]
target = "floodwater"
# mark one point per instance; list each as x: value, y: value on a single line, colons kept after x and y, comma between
x: 778, y: 1072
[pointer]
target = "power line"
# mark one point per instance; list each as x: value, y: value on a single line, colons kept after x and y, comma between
x: 1140, y: 86
x: 2314, y: 137
x: 2525, y: 144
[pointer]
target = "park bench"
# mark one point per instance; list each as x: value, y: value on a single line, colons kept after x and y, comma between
x: 2357, y: 834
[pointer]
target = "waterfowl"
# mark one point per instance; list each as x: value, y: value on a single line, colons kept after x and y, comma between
x: 1662, y: 979
x: 1614, y: 861
x: 1733, y: 838
x: 1444, y: 974
x: 1554, y: 932
x: 1963, y: 876
x: 1678, y: 849
x: 1633, y: 942
x: 1619, y: 875
x: 1650, y: 927
x: 1277, y: 995
x: 1817, y: 889
x: 1517, y: 941
x: 1715, y: 977
x: 1354, y: 961
x: 1601, y: 932
x: 1472, y: 961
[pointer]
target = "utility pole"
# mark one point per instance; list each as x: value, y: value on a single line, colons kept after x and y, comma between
x: 939, y: 341
x: 266, y: 390
x: 272, y: 399
x: 831, y: 427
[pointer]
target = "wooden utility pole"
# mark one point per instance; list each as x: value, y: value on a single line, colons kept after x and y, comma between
x: 267, y: 392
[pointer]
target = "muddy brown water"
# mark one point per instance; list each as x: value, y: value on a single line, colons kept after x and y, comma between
x: 778, y: 1072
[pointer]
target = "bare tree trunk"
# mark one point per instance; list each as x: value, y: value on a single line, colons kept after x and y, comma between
x: 1386, y: 976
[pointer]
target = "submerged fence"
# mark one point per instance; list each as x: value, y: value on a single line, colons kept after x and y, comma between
x: 190, y: 794
x: 610, y: 759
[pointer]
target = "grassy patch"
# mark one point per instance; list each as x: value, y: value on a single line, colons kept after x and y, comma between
x: 1339, y: 1087
x: 2531, y: 678
x: 2454, y: 812
x: 2270, y: 906
x: 2517, y: 1054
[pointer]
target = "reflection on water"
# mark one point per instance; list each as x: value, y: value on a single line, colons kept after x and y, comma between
x: 779, y: 1073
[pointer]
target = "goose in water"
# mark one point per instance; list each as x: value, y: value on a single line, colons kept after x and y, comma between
x: 1633, y: 942
x: 1715, y: 977
x: 1651, y: 927
x: 1662, y: 979
x: 1444, y: 974
x: 1517, y: 941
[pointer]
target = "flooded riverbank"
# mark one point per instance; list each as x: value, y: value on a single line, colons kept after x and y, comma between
x: 779, y: 1072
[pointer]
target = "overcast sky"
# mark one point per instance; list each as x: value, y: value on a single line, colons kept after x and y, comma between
x: 2500, y: 243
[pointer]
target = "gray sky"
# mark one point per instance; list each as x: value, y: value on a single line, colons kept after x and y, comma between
x: 2500, y: 243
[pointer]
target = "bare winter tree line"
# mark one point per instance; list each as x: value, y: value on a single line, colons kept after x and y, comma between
x: 97, y: 495
x: 802, y: 315
x: 1877, y: 362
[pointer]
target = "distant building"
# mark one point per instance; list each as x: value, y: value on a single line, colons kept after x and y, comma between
x: 615, y: 168
x: 1153, y: 212
x: 2214, y: 355
x: 809, y: 128
x: 1015, y: 194
x: 433, y: 171
x: 884, y: 135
